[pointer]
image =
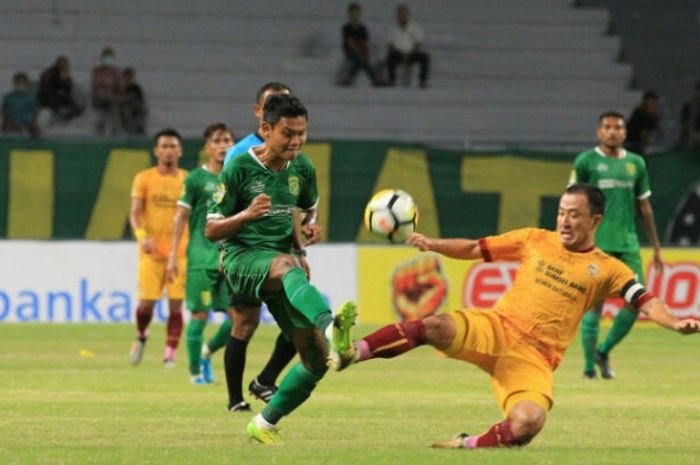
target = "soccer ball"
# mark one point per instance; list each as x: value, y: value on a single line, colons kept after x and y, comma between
x: 391, y: 214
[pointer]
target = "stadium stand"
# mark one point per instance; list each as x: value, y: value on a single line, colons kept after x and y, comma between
x: 505, y: 73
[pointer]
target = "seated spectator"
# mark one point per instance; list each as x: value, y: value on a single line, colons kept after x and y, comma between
x: 690, y: 121
x: 56, y: 90
x: 19, y: 108
x: 643, y: 123
x: 107, y: 93
x: 355, y: 48
x: 405, y: 43
x: 133, y: 104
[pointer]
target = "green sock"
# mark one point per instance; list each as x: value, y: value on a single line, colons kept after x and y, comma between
x: 304, y: 296
x: 221, y: 337
x: 294, y: 389
x: 624, y: 320
x: 195, y: 336
x: 590, y: 327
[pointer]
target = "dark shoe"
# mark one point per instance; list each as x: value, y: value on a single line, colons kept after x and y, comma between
x: 242, y: 406
x: 603, y: 362
x: 589, y: 375
x: 261, y: 391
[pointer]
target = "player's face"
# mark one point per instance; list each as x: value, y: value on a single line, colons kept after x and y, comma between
x: 286, y: 138
x: 611, y: 132
x: 217, y: 145
x: 258, y: 107
x: 575, y: 223
x: 167, y: 150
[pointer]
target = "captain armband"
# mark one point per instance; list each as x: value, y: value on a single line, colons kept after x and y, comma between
x: 635, y: 294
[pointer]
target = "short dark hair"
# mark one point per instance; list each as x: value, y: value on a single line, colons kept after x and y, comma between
x: 283, y: 106
x: 167, y: 132
x: 610, y: 114
x: 216, y: 127
x: 354, y: 7
x: 21, y: 76
x: 650, y: 94
x: 274, y: 85
x: 595, y: 196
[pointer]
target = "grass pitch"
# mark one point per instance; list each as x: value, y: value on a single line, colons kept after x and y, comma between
x: 69, y: 396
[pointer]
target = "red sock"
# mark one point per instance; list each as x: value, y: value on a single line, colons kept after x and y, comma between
x: 143, y: 319
x: 174, y: 329
x: 393, y: 340
x: 499, y: 435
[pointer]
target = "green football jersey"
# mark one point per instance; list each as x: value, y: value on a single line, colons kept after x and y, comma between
x: 200, y: 184
x: 623, y: 180
x: 243, y: 179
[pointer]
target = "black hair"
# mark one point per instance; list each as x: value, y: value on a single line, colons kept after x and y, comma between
x: 283, y: 106
x: 167, y: 132
x: 595, y: 196
x: 610, y: 114
x: 274, y: 85
x: 19, y: 76
x: 650, y: 94
x: 353, y: 7
x: 216, y: 127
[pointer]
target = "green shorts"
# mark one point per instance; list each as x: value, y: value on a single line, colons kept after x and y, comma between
x: 206, y: 289
x: 246, y: 271
x: 633, y: 260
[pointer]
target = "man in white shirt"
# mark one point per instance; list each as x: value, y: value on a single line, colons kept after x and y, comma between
x: 405, y: 46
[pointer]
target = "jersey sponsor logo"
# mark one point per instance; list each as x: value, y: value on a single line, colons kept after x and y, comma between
x: 294, y: 185
x: 613, y: 183
x: 218, y: 196
x: 631, y: 169
x: 209, y: 187
x: 602, y: 167
x: 257, y: 187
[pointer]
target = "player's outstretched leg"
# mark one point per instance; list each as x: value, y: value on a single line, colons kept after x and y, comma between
x: 264, y: 386
x: 342, y: 350
x: 144, y: 315
x: 623, y: 323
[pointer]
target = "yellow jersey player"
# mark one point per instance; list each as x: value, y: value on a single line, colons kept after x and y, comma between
x: 522, y: 340
x: 154, y: 198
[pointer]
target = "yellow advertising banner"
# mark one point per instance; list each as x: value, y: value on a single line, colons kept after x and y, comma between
x: 398, y: 283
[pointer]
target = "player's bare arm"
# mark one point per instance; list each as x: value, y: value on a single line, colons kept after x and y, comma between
x: 658, y: 312
x: 463, y: 249
x: 646, y: 214
x: 221, y: 228
x: 181, y: 218
x: 135, y: 219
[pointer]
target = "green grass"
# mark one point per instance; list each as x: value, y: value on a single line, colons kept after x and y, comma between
x: 57, y: 407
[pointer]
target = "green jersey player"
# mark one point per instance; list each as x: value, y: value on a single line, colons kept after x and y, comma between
x: 622, y: 175
x: 205, y: 286
x: 263, y: 260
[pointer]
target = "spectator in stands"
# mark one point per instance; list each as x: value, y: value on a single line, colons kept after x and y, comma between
x: 107, y: 93
x: 19, y: 108
x: 56, y: 90
x: 690, y: 121
x: 405, y: 44
x: 355, y: 48
x: 133, y: 106
x: 643, y: 123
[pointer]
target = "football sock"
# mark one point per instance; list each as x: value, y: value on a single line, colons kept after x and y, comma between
x: 174, y: 330
x: 195, y: 335
x: 392, y: 340
x: 498, y: 435
x: 282, y: 354
x: 234, y: 363
x: 143, y: 319
x: 623, y: 323
x: 220, y: 337
x: 295, y: 388
x: 590, y: 326
x: 304, y: 297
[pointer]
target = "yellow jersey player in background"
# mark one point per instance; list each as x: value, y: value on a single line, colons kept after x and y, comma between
x: 521, y: 341
x: 154, y: 198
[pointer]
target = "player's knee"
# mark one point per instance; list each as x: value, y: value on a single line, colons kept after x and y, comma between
x: 245, y: 329
x: 280, y: 265
x: 526, y: 420
x: 439, y: 330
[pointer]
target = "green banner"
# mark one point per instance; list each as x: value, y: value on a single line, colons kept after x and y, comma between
x: 80, y: 190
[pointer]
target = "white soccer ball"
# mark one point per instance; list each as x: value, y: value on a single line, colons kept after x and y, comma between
x: 391, y: 214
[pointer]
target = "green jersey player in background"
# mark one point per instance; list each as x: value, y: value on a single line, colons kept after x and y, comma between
x: 622, y: 175
x: 263, y: 259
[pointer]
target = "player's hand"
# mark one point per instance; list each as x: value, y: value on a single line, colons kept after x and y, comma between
x: 420, y: 242
x: 688, y: 326
x: 260, y: 206
x: 312, y: 233
x: 148, y: 245
x: 171, y: 270
x: 305, y: 266
x: 658, y: 263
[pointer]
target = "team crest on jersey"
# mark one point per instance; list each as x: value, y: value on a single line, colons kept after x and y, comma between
x: 592, y: 270
x: 218, y: 195
x: 631, y: 169
x: 294, y: 185
x: 602, y: 167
